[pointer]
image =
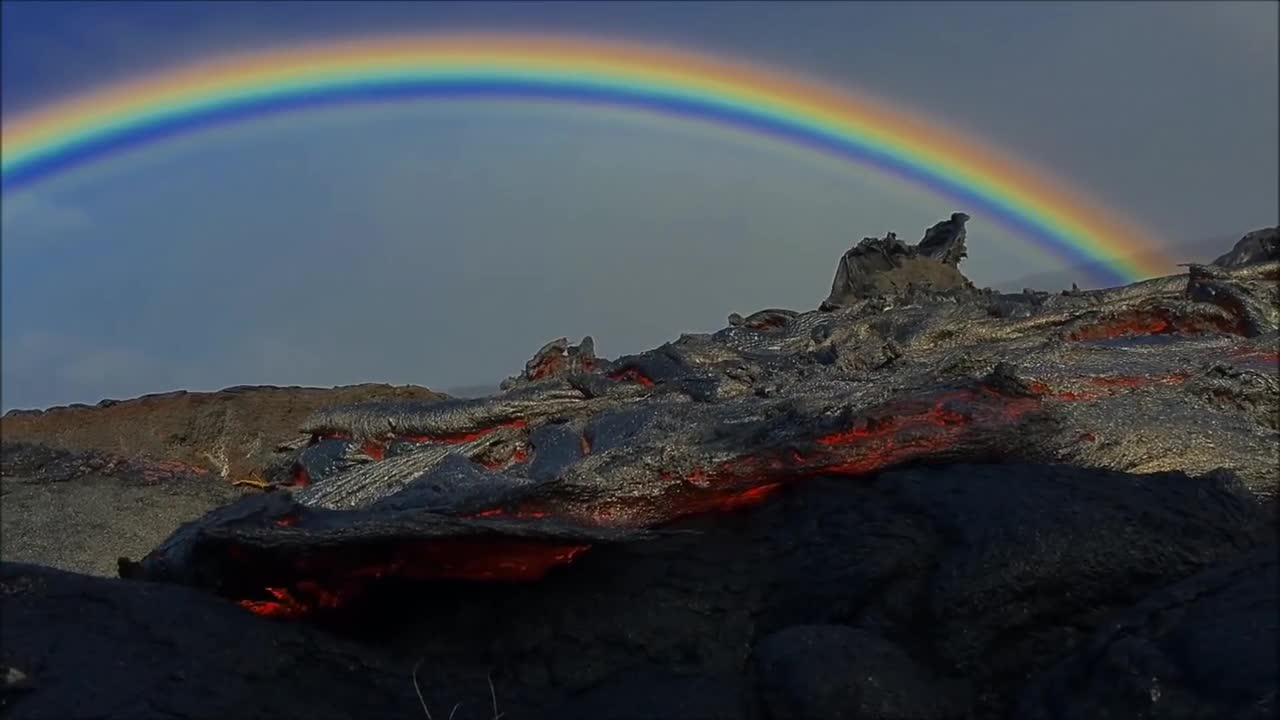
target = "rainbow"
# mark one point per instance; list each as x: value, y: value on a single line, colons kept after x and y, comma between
x: 852, y: 127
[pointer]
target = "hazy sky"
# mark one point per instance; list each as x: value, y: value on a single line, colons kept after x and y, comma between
x: 441, y: 243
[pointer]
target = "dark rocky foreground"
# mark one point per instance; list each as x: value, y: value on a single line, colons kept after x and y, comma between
x: 923, y: 500
x: 968, y: 591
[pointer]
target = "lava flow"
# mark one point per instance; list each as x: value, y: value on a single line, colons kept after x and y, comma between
x: 326, y: 582
x: 905, y: 362
x: 1153, y: 322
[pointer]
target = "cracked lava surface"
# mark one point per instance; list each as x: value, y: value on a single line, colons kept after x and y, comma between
x: 1175, y: 373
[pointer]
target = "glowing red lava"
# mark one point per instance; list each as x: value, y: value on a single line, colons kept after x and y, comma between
x: 300, y: 477
x: 1153, y: 322
x: 329, y: 583
x: 632, y: 375
x: 373, y: 449
x: 896, y: 433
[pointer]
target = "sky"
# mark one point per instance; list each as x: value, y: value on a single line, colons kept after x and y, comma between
x: 442, y: 242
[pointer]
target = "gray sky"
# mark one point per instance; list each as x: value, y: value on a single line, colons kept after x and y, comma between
x: 441, y: 243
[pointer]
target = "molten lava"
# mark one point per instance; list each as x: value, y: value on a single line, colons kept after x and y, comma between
x: 632, y: 375
x: 581, y: 456
x: 1137, y: 323
x: 332, y: 581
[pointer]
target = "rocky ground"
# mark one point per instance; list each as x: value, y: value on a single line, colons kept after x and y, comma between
x: 83, y: 522
x: 970, y: 591
x: 231, y: 432
x: 83, y: 485
x: 924, y: 500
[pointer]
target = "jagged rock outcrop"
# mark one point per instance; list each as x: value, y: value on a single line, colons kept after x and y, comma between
x: 944, y: 241
x: 879, y: 267
x: 1257, y: 246
x: 556, y: 359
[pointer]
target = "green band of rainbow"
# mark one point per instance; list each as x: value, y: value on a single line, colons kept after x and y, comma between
x: 656, y: 79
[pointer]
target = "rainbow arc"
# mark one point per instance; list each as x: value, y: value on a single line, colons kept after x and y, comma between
x: 850, y: 126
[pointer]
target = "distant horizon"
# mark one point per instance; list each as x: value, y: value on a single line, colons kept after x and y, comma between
x: 1197, y: 251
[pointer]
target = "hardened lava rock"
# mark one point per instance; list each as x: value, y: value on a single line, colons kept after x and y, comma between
x: 1257, y: 246
x: 1205, y: 647
x: 889, y: 266
x: 925, y: 593
x: 1170, y: 374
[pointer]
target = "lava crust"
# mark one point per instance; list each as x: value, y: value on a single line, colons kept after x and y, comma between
x: 1174, y: 373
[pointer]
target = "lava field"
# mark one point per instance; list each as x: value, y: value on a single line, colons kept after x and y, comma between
x: 921, y: 500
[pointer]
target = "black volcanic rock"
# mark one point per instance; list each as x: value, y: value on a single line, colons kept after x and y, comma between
x: 825, y: 672
x: 889, y: 267
x: 961, y: 581
x: 1257, y: 246
x: 944, y: 241
x: 1203, y: 648
x: 557, y: 359
x: 763, y: 319
x: 97, y: 648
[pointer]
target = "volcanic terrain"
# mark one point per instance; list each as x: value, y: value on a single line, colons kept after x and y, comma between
x: 921, y: 500
x: 83, y: 484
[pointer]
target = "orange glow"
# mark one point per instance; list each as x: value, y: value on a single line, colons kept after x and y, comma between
x: 632, y: 375
x: 328, y: 584
x: 1153, y: 322
x: 459, y: 438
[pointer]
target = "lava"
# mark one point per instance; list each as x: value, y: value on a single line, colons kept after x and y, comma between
x: 502, y: 457
x: 1106, y: 385
x: 1153, y: 322
x: 550, y: 365
x: 459, y: 438
x: 874, y: 440
x: 528, y: 512
x: 941, y: 413
x: 376, y: 448
x: 320, y: 437
x: 283, y: 606
x: 330, y: 581
x: 300, y: 478
x: 373, y: 449
x: 779, y: 398
x: 1137, y: 380
x: 632, y: 375
x: 1256, y: 354
x: 731, y: 501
